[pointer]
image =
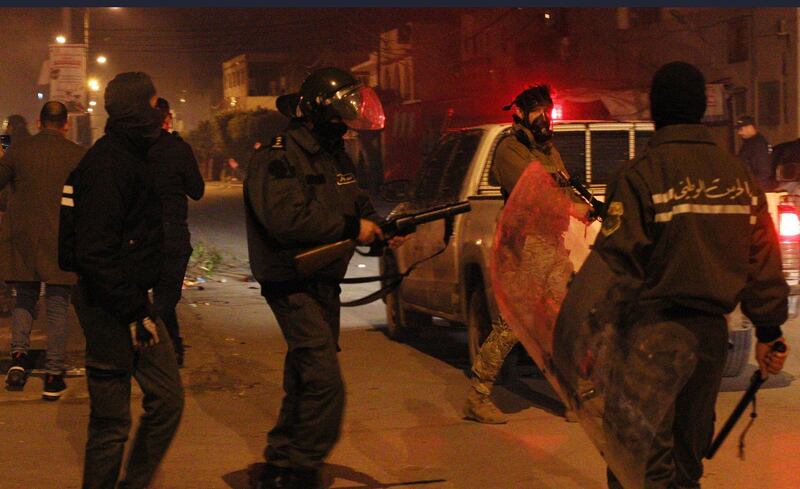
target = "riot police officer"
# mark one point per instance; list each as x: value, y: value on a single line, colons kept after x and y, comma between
x: 300, y: 192
x: 530, y: 140
x: 690, y: 224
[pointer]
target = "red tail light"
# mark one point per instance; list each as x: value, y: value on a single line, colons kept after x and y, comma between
x: 789, y: 223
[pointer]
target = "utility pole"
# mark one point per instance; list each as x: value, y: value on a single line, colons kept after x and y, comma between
x: 86, y: 28
x: 66, y: 22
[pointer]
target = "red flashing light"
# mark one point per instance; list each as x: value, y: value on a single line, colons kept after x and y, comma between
x: 789, y: 224
x: 558, y: 112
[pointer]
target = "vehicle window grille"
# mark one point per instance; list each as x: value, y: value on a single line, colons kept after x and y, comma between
x: 610, y: 149
x: 640, y: 141
x: 572, y: 147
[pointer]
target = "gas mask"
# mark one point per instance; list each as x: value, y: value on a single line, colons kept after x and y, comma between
x: 541, y: 127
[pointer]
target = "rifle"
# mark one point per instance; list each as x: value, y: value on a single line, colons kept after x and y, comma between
x: 749, y: 397
x: 309, y: 261
x: 598, y: 207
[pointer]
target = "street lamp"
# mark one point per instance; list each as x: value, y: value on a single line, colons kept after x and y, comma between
x: 61, y: 39
x: 101, y: 59
x: 94, y: 85
x: 40, y: 95
x: 92, y: 103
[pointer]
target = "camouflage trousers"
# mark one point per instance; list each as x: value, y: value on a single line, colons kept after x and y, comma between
x: 491, y: 356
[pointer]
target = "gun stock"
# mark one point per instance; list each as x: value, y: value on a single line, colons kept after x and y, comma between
x: 311, y: 260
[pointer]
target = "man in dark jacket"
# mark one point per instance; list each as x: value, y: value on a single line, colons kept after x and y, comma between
x: 112, y: 236
x: 300, y: 192
x: 176, y: 177
x: 37, y: 168
x: 755, y: 151
x: 687, y: 221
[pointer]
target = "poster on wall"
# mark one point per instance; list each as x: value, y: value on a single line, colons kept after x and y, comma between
x: 68, y: 75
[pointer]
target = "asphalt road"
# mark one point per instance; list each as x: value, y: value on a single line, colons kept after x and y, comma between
x: 403, y: 426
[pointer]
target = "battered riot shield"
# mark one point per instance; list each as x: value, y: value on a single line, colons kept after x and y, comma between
x: 618, y: 374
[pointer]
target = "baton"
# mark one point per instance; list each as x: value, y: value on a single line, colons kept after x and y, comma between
x: 749, y: 396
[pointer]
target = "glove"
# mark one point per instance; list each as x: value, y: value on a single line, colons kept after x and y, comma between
x: 144, y: 333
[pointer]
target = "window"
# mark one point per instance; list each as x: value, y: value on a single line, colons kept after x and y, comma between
x: 739, y: 99
x: 769, y: 103
x: 572, y: 146
x: 610, y: 149
x: 442, y: 175
x: 738, y: 35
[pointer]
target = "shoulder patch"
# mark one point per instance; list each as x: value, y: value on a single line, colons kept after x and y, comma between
x: 613, y: 219
x: 280, y: 168
x: 277, y: 143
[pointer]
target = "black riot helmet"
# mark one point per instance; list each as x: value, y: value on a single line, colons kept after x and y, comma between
x: 330, y: 92
x: 532, y: 98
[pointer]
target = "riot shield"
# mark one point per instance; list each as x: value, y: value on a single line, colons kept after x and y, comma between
x: 530, y: 264
x: 619, y: 379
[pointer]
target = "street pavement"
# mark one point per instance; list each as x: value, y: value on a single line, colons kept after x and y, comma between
x: 403, y: 425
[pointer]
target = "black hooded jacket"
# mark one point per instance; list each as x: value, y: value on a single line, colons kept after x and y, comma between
x: 111, y: 224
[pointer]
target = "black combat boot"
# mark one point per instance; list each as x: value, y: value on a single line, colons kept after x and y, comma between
x: 273, y: 477
x: 306, y: 479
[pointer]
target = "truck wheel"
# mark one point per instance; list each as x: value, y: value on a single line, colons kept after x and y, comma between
x: 479, y: 324
x: 401, y: 322
x: 741, y: 342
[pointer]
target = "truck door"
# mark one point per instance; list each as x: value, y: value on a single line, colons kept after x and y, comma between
x: 433, y: 285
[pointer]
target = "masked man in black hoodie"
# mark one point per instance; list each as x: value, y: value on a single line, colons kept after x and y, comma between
x: 111, y: 235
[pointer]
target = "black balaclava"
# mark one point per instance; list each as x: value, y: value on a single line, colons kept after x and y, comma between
x: 328, y: 133
x: 677, y: 95
x: 130, y: 116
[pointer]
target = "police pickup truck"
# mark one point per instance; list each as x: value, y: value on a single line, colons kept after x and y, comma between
x: 454, y: 285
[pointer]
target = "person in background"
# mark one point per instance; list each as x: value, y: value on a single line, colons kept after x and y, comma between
x: 37, y: 167
x: 755, y: 151
x: 176, y: 176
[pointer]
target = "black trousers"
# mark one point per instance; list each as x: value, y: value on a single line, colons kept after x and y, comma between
x: 675, y: 460
x: 310, y: 418
x: 111, y: 363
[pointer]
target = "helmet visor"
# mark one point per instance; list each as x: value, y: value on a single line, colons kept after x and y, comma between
x: 359, y: 107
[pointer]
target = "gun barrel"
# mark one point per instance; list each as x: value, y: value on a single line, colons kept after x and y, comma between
x: 441, y: 212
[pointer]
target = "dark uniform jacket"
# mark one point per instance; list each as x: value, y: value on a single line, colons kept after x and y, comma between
x: 35, y: 169
x: 688, y: 219
x: 111, y: 227
x: 176, y: 176
x: 755, y: 154
x: 299, y: 195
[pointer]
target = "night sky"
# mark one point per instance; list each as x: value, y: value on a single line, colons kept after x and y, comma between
x: 182, y: 49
